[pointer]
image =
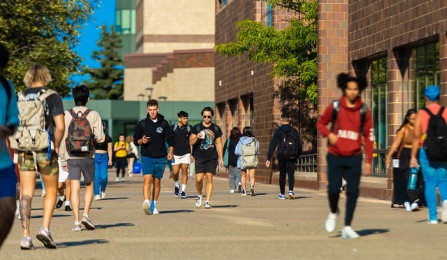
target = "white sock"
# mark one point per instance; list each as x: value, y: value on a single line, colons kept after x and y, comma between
x: 183, y: 187
x: 176, y: 184
x: 62, y: 197
x: 67, y: 203
x: 155, y: 203
x: 147, y: 201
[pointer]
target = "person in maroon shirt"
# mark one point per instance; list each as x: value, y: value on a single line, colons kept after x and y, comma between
x: 345, y: 149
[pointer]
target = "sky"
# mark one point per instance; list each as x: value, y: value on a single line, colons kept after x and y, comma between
x: 104, y: 14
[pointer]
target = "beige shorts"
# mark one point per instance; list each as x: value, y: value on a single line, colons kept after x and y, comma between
x: 181, y: 159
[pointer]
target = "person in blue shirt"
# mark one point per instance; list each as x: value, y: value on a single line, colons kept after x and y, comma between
x: 9, y: 120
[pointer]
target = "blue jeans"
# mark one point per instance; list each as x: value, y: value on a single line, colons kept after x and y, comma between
x: 435, y: 175
x: 101, y: 161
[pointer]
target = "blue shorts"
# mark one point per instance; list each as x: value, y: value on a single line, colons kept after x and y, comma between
x: 8, y: 182
x: 154, y: 166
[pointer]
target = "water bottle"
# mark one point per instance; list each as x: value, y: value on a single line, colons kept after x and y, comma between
x: 413, y: 179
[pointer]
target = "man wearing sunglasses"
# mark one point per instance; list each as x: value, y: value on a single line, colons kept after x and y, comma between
x: 207, y: 146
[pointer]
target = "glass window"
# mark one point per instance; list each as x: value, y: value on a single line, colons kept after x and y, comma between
x: 379, y: 78
x: 269, y: 15
x: 426, y: 71
x: 266, y: 13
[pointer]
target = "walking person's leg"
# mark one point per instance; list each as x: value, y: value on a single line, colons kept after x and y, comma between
x: 88, y: 170
x: 430, y: 187
x: 441, y: 173
x: 231, y: 178
x: 103, y: 175
x: 130, y: 162
x: 238, y: 174
x: 27, y: 185
x: 184, y: 167
x: 251, y: 173
x: 67, y: 195
x: 334, y: 174
x: 243, y: 181
x: 353, y: 174
x: 208, y: 188
x: 175, y: 177
x: 97, y: 182
x: 282, y: 165
x: 291, y: 177
x: 8, y: 182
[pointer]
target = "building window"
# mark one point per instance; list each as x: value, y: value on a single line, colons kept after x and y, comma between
x: 426, y: 71
x: 222, y: 2
x: 379, y: 78
x: 266, y: 13
x: 126, y: 21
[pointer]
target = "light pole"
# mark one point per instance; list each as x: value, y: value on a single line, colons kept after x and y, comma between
x: 149, y: 92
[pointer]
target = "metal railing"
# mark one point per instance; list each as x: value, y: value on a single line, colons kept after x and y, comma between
x: 309, y: 163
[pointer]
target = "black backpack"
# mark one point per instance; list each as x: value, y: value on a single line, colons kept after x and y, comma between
x: 289, y: 146
x: 435, y: 144
x: 336, y: 108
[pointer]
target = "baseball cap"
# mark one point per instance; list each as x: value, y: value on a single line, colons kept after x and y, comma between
x: 432, y: 92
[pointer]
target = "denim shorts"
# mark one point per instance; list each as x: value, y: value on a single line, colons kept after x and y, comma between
x: 153, y: 166
x: 8, y: 182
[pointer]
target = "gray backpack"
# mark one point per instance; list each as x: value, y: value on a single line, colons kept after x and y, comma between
x: 31, y: 134
x: 249, y: 156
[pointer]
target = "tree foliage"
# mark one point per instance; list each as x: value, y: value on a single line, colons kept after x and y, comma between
x: 107, y: 80
x: 293, y: 54
x: 44, y: 31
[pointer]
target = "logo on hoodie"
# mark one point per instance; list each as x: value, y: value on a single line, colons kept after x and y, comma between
x: 159, y: 130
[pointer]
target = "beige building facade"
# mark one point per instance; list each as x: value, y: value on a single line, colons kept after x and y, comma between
x: 174, y: 51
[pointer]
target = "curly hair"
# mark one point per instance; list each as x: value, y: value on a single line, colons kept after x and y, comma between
x: 344, y: 78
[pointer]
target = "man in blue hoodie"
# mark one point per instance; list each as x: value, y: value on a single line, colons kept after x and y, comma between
x: 285, y: 164
x: 151, y: 134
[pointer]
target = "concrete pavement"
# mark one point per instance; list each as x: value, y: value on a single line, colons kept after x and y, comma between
x: 237, y: 227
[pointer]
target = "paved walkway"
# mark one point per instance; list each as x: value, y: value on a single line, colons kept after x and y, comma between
x: 260, y: 227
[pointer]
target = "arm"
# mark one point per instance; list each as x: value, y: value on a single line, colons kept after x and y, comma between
x: 58, y: 131
x: 394, y: 146
x: 322, y: 123
x: 219, y: 147
x: 238, y: 149
x: 127, y: 147
x: 63, y: 149
x: 416, y: 141
x: 110, y: 153
x: 273, y: 144
x: 115, y: 147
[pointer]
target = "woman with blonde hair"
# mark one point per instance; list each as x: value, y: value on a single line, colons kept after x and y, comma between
x: 44, y: 161
x: 132, y: 155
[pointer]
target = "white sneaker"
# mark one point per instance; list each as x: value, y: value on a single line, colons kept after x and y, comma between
x: 432, y: 221
x: 117, y: 179
x: 103, y: 195
x: 414, y: 206
x: 97, y: 197
x: 231, y: 191
x: 130, y: 174
x: 407, y: 206
x: 146, y: 208
x: 122, y: 179
x: 155, y: 211
x: 331, y: 221
x: 444, y: 211
x: 348, y: 233
x: 199, y: 201
x: 207, y: 205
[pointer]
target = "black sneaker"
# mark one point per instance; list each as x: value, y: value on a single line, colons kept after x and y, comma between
x: 59, y: 203
x: 67, y: 208
x: 176, y: 191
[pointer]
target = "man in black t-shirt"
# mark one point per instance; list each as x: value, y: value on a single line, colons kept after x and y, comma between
x: 179, y: 146
x: 207, y: 152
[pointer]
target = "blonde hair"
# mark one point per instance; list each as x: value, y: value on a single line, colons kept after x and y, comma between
x: 129, y: 139
x: 37, y: 73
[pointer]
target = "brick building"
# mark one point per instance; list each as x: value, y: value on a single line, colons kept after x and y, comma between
x: 174, y: 57
x: 401, y: 46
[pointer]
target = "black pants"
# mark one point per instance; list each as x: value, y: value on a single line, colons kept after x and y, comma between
x: 404, y: 165
x: 351, y: 168
x: 120, y: 165
x: 286, y: 166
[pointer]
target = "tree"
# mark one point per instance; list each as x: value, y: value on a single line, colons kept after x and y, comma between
x: 293, y: 54
x: 44, y: 31
x: 107, y: 80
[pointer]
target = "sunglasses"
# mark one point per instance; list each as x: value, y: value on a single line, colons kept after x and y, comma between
x: 207, y: 116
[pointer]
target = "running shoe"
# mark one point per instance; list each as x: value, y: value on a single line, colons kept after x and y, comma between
x: 331, y: 221
x: 239, y: 187
x: 199, y: 201
x: 76, y: 228
x: 97, y: 197
x: 26, y: 243
x: 252, y: 191
x: 407, y: 206
x: 291, y: 194
x: 103, y: 194
x: 231, y: 191
x: 243, y: 193
x: 348, y: 233
x: 155, y: 211
x: 60, y: 202
x: 122, y: 179
x: 183, y: 195
x: 281, y: 196
x: 176, y: 192
x: 433, y: 221
x: 117, y: 179
x: 87, y: 223
x: 207, y: 205
x: 146, y: 208
x: 44, y: 236
x: 67, y: 208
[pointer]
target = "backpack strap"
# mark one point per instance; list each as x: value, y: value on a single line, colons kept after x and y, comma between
x: 363, y: 111
x: 7, y: 88
x: 430, y: 114
x: 44, y: 93
x: 335, y: 109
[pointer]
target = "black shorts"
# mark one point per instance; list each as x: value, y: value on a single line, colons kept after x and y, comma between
x: 205, y: 166
x: 131, y: 155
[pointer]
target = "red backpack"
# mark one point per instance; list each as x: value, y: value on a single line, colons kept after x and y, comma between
x: 80, y: 138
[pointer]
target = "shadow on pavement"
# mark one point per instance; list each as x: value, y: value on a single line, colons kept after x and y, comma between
x: 115, y: 225
x: 176, y: 211
x: 224, y: 206
x: 366, y: 232
x: 54, y: 216
x: 118, y: 198
x: 81, y: 243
